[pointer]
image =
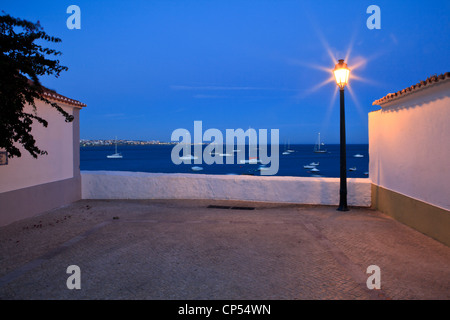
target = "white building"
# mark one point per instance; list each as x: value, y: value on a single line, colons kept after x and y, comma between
x: 29, y: 186
x: 409, y: 149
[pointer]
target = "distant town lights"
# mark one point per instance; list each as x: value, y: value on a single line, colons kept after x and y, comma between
x: 341, y: 73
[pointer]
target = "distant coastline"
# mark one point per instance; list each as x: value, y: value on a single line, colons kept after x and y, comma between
x: 126, y: 142
x: 120, y: 142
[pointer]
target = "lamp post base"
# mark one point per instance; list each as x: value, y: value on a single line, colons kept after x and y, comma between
x: 343, y: 208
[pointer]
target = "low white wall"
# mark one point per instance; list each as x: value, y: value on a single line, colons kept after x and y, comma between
x: 140, y: 185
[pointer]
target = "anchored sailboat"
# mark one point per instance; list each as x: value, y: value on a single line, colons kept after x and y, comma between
x: 317, y: 146
x: 286, y: 151
x: 116, y: 155
x: 289, y: 147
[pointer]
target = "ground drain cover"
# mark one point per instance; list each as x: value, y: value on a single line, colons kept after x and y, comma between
x: 229, y: 207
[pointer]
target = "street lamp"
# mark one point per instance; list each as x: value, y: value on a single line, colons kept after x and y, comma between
x: 341, y: 73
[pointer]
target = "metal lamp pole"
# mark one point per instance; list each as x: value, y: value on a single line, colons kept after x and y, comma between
x: 341, y: 73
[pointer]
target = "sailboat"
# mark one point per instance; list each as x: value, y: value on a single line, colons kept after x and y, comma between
x: 116, y: 155
x: 317, y: 146
x: 289, y: 147
x: 286, y: 151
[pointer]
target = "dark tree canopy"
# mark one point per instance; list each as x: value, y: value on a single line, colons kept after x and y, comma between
x: 22, y: 61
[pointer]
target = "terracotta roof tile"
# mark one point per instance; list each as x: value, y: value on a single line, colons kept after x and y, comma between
x: 50, y: 94
x: 420, y: 85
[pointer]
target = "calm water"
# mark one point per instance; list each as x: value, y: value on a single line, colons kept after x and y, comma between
x: 157, y: 158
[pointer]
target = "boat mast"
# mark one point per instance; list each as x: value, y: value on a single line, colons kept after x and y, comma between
x: 318, y: 143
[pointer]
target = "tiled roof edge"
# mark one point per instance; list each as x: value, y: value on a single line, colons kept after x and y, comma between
x: 420, y: 85
x: 53, y: 95
x: 49, y: 94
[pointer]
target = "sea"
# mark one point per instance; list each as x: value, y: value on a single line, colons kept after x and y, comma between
x: 157, y: 158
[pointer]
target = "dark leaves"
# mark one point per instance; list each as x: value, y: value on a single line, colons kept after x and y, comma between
x: 22, y: 61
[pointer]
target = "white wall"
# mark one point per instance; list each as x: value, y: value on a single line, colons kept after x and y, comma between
x: 409, y: 145
x: 56, y: 139
x: 139, y: 185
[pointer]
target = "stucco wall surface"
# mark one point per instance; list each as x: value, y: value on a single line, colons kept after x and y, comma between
x: 57, y: 139
x: 139, y: 185
x: 409, y: 146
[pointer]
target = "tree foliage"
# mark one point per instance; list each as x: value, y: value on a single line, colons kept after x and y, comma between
x: 22, y: 61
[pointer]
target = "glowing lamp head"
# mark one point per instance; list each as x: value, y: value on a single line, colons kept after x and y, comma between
x: 341, y: 73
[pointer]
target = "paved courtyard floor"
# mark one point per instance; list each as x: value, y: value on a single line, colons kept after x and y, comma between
x: 186, y: 249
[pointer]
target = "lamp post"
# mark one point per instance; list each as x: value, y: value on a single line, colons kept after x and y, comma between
x: 341, y: 73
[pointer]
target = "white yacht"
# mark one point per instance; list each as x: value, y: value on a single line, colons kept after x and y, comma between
x: 252, y: 160
x: 116, y: 155
x: 188, y: 157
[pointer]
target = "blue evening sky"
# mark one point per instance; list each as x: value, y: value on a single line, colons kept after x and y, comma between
x: 146, y: 68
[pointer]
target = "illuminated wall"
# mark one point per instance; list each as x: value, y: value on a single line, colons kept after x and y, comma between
x: 409, y: 149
